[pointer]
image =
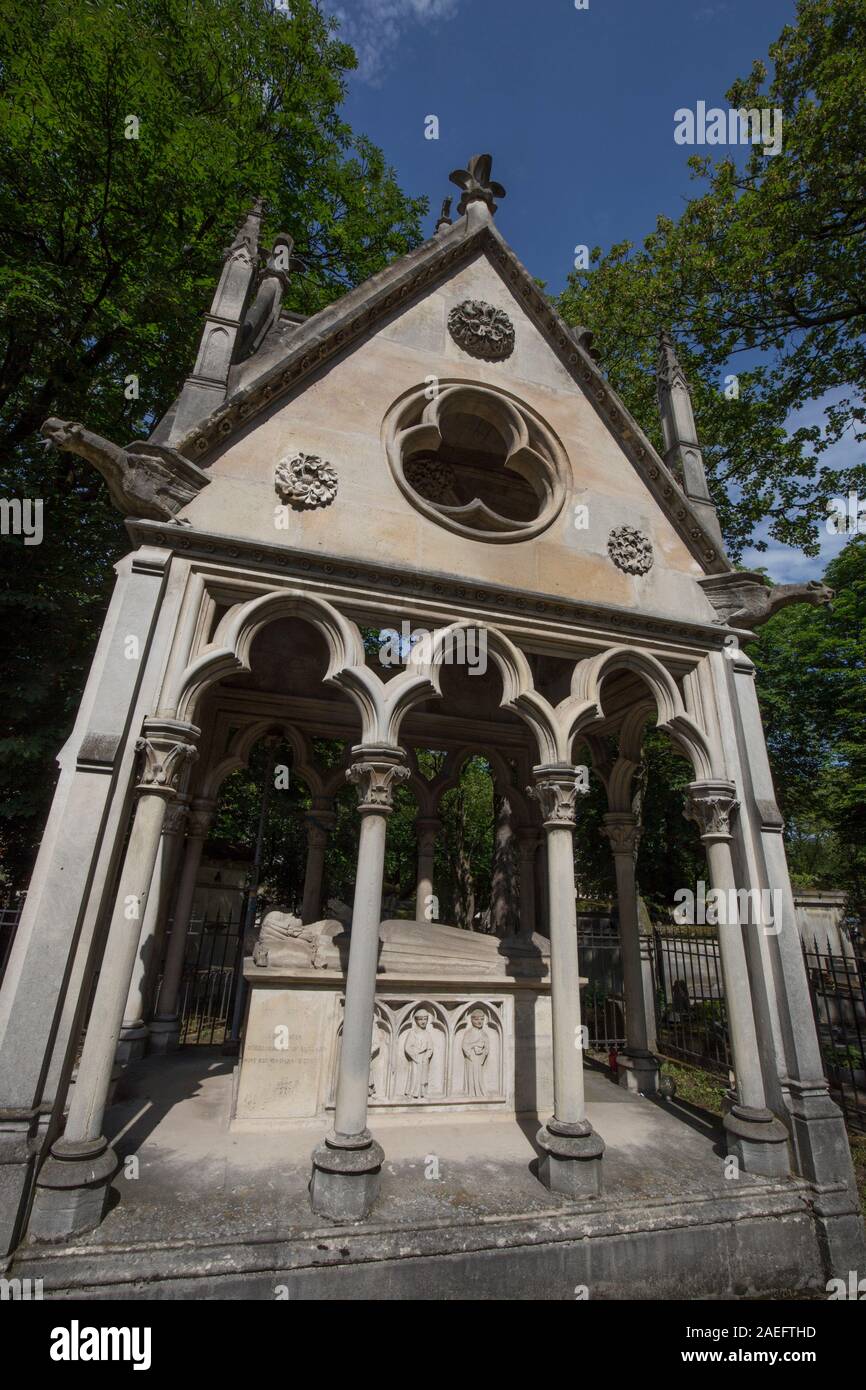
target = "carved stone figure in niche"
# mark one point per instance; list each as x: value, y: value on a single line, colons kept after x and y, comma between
x: 379, y: 1057
x: 284, y: 941
x: 476, y: 1049
x: 419, y: 1050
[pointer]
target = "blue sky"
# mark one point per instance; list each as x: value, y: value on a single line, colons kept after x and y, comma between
x: 576, y: 107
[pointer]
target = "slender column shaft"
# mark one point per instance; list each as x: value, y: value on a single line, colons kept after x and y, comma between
x: 154, y: 917
x: 570, y: 1149
x: 353, y: 1087
x: 528, y: 844
x: 569, y: 1104
x: 199, y: 824
x: 735, y: 973
x: 319, y: 823
x: 89, y: 1096
x: 347, y: 1164
x: 623, y: 832
x: 427, y: 832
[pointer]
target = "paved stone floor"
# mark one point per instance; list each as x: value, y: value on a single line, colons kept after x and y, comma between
x: 198, y: 1179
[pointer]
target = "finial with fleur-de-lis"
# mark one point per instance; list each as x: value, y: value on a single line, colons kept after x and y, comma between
x: 477, y: 185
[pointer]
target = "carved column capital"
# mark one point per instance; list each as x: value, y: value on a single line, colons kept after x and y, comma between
x: 527, y: 841
x: 711, y: 805
x: 176, y: 813
x: 375, y: 772
x: 321, y: 819
x: 200, y: 818
x: 555, y: 790
x: 166, y: 746
x: 428, y: 827
x: 623, y: 831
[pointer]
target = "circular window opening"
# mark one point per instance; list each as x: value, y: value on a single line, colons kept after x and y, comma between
x: 476, y: 461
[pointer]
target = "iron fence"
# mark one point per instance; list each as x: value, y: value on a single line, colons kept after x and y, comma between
x: 691, y: 1017
x: 9, y: 919
x: 838, y: 987
x: 602, y: 999
x: 210, y: 972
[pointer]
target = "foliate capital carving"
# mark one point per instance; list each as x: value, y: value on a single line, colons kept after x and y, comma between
x: 630, y: 550
x: 200, y: 820
x: 165, y: 748
x: 482, y: 330
x: 711, y: 805
x: 175, y: 818
x: 623, y: 832
x: 375, y: 772
x: 306, y: 481
x: 555, y: 790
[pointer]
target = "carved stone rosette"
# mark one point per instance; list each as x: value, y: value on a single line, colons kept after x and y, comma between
x: 555, y: 790
x: 166, y: 746
x: 375, y: 774
x: 623, y: 832
x: 482, y: 330
x: 711, y: 805
x: 630, y: 550
x: 306, y: 481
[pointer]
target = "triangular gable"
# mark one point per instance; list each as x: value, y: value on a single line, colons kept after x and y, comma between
x: 346, y: 322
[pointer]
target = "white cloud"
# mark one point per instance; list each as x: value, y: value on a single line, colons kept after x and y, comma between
x: 374, y: 28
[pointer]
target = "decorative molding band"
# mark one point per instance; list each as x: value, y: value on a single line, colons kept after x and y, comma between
x: 439, y: 588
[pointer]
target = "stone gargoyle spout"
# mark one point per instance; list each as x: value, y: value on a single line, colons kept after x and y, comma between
x: 144, y: 480
x: 747, y: 600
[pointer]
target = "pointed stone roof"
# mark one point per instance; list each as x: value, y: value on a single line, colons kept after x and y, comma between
x: 285, y: 361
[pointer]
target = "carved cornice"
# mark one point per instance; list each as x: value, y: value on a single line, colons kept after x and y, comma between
x: 711, y: 806
x: 555, y: 790
x: 486, y: 597
x: 166, y: 747
x: 375, y: 772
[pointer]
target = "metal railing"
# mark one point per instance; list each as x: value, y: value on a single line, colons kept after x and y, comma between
x: 691, y: 1017
x: 208, y: 981
x: 837, y: 984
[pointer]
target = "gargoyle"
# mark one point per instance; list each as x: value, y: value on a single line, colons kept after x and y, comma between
x: 746, y: 600
x: 144, y: 480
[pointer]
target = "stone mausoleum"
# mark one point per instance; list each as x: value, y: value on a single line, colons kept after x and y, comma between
x: 435, y: 453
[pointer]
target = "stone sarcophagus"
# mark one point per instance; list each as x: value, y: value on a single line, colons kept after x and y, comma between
x: 462, y: 1022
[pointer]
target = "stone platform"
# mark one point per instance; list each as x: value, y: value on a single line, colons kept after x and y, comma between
x: 215, y: 1214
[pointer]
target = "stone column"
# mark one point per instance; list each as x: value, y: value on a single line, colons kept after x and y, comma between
x: 134, y: 1033
x: 637, y: 1068
x: 527, y: 842
x: 571, y: 1150
x: 347, y: 1164
x: 320, y: 822
x: 165, y: 1027
x: 72, y: 1188
x: 428, y: 828
x: 755, y: 1136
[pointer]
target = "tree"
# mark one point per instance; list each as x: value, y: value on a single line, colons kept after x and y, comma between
x: 811, y: 676
x: 766, y: 269
x: 134, y: 138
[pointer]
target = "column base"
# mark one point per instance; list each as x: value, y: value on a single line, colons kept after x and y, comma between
x: 758, y: 1140
x: 72, y: 1189
x: 346, y: 1175
x: 570, y: 1161
x: 164, y: 1035
x: 823, y: 1157
x: 638, y: 1072
x: 22, y: 1135
x: 132, y: 1042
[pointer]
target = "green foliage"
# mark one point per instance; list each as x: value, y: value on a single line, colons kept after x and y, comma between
x: 110, y: 249
x: 765, y: 268
x: 811, y: 675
